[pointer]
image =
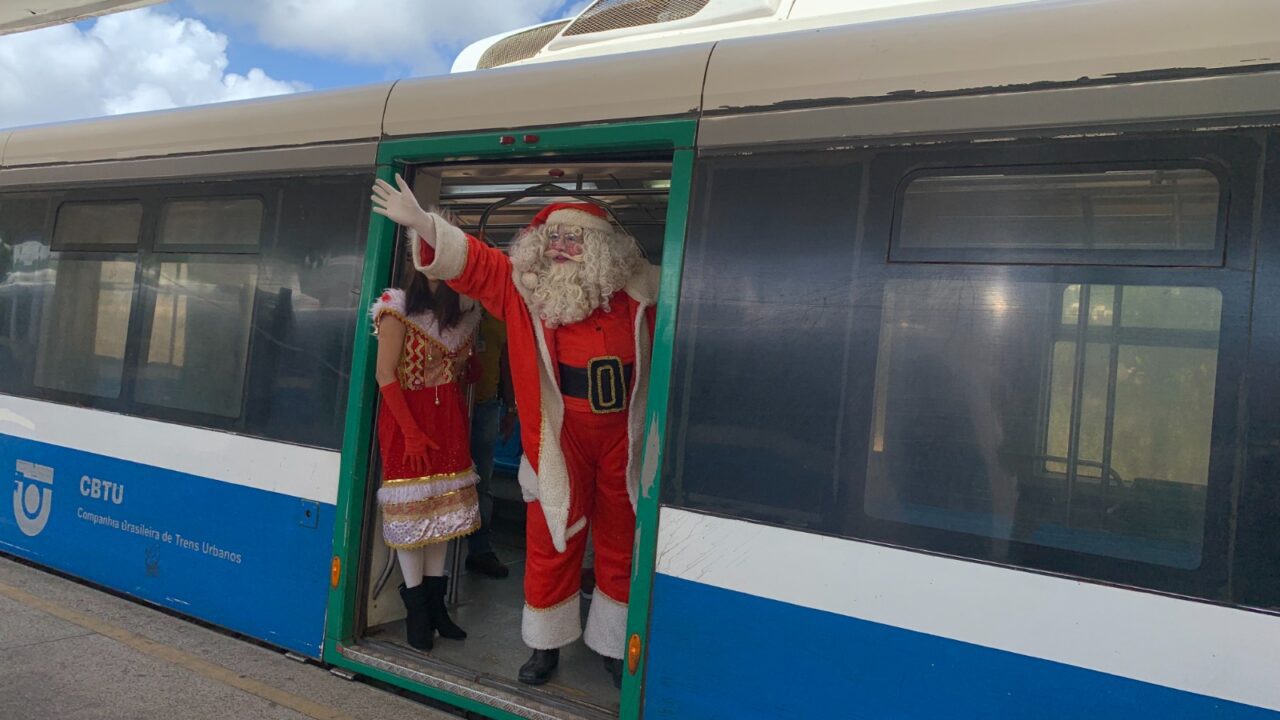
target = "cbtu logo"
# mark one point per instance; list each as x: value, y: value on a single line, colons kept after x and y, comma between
x: 32, y: 497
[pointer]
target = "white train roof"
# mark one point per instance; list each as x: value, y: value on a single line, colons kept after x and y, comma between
x: 20, y: 16
x: 988, y: 50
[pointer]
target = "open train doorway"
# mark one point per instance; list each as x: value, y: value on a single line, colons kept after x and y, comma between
x: 494, y: 202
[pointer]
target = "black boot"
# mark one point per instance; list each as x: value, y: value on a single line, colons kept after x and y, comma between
x: 439, y: 613
x: 417, y: 623
x: 538, y: 669
x: 614, y: 667
x: 487, y: 564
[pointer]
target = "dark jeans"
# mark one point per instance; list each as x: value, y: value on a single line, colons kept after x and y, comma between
x: 484, y: 437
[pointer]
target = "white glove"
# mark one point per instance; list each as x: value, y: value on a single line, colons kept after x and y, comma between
x: 400, y: 206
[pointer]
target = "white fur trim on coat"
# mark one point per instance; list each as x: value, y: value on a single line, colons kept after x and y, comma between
x: 451, y: 250
x: 528, y: 480
x: 553, y: 627
x: 606, y: 626
x: 585, y: 220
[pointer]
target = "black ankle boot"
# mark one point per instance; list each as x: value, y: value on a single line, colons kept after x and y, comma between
x: 439, y: 613
x: 539, y: 667
x: 487, y: 564
x: 417, y: 622
x: 614, y: 666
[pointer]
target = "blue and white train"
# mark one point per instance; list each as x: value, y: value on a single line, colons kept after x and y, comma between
x: 965, y: 379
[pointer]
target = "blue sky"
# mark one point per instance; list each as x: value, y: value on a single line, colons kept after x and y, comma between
x: 187, y: 52
x: 319, y: 70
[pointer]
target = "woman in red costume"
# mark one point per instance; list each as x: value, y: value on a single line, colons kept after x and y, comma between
x: 428, y: 493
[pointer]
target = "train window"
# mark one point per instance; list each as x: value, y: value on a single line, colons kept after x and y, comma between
x: 194, y: 356
x: 25, y: 276
x: 98, y: 225
x: 83, y: 334
x: 308, y: 293
x: 756, y: 412
x: 1135, y: 216
x: 218, y: 224
x: 1118, y: 461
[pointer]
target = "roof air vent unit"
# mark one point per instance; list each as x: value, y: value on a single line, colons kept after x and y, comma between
x: 606, y: 15
x: 520, y: 46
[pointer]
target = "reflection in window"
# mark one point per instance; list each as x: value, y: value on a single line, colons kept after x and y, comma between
x: 98, y: 223
x: 82, y: 338
x: 199, y: 336
x: 211, y: 222
x: 1049, y: 414
x: 994, y: 214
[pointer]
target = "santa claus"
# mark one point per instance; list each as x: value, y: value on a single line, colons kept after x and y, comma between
x: 578, y: 301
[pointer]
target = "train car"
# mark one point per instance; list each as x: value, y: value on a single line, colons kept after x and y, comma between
x: 962, y: 399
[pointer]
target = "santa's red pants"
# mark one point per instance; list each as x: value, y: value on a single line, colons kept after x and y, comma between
x: 595, y: 451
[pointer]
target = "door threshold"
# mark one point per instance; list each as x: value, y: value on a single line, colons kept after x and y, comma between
x: 508, y: 696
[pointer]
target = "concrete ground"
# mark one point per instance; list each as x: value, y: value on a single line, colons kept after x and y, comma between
x: 71, y: 652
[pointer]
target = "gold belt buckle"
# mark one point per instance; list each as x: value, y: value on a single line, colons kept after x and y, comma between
x: 606, y: 385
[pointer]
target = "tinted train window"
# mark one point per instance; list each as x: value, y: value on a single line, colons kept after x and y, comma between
x: 213, y: 223
x: 232, y: 309
x: 307, y: 315
x: 1142, y: 216
x: 1091, y: 433
x: 195, y: 353
x: 1062, y: 415
x: 98, y: 224
x: 83, y: 333
x: 761, y: 348
x: 26, y: 280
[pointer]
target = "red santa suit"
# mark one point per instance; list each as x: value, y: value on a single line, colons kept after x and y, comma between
x: 580, y: 392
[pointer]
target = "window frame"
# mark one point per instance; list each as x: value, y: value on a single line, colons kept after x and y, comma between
x: 266, y: 231
x: 1214, y: 257
x: 98, y: 198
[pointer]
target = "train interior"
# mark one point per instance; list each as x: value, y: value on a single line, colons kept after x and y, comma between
x: 494, y: 202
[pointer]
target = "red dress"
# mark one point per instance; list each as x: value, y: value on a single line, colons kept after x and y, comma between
x: 418, y: 508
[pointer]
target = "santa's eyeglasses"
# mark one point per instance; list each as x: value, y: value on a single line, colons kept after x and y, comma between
x: 564, y: 235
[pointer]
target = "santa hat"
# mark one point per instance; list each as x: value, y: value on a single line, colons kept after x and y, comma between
x: 583, y: 215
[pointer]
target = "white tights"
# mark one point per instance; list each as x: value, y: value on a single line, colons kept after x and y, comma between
x: 423, y: 562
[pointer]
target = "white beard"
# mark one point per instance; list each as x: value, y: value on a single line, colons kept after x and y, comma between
x: 561, y: 297
x: 566, y: 293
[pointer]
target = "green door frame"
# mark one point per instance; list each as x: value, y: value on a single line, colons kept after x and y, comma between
x: 674, y: 135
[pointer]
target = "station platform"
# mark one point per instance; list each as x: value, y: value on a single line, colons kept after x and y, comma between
x: 73, y: 652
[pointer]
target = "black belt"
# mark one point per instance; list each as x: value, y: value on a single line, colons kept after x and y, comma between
x: 605, y: 383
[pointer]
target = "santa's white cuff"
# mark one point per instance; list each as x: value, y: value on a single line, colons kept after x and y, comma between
x: 553, y: 627
x: 606, y: 625
x: 450, y: 246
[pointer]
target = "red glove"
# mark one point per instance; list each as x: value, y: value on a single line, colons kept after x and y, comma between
x: 416, y: 442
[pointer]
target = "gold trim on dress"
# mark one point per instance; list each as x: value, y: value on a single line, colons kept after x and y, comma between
x: 440, y: 477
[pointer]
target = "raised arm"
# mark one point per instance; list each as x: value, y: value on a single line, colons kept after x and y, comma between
x: 444, y: 252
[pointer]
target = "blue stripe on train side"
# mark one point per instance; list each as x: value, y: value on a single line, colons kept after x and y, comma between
x: 249, y: 560
x: 716, y: 653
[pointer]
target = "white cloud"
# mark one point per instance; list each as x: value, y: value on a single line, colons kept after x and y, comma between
x: 133, y: 61
x: 419, y: 34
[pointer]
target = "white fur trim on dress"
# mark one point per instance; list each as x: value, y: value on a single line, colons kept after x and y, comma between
x: 451, y: 250
x: 606, y: 631
x: 391, y: 299
x: 585, y: 220
x: 553, y: 627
